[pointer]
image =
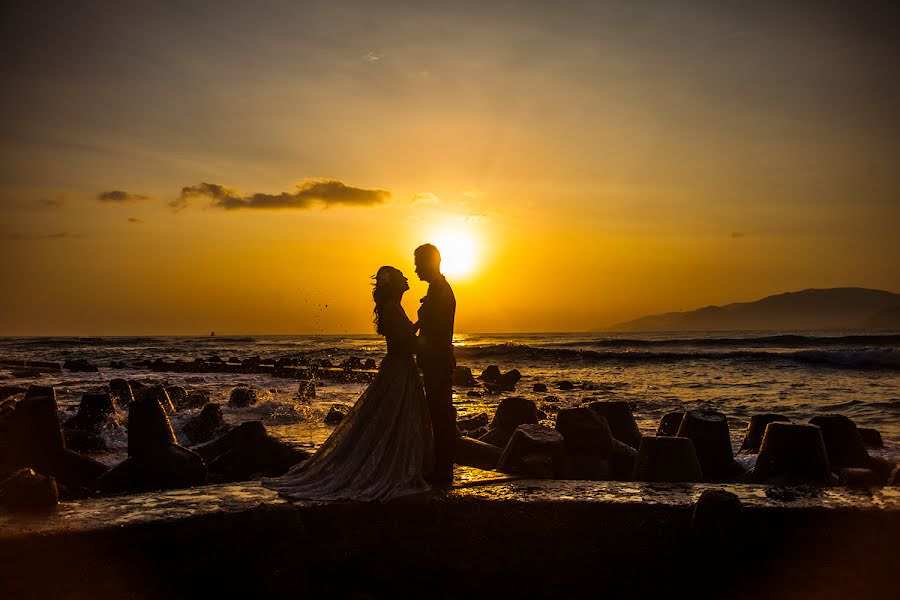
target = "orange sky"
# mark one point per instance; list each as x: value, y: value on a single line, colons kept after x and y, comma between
x: 606, y: 161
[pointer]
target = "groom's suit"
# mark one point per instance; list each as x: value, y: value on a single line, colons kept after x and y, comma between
x: 435, y: 358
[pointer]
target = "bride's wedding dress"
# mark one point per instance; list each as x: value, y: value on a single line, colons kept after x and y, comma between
x: 383, y: 446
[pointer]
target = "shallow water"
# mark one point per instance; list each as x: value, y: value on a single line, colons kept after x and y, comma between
x: 799, y: 374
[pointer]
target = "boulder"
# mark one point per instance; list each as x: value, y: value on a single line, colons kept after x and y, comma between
x: 370, y: 364
x: 164, y: 467
x: 669, y: 424
x: 894, y: 477
x: 717, y: 518
x: 565, y: 385
x: 511, y: 412
x: 756, y: 428
x: 533, y: 451
x: 28, y: 492
x: 157, y: 392
x: 870, y: 437
x: 306, y: 390
x: 149, y: 428
x: 248, y: 451
x: 178, y: 396
x: 621, y: 421
x: 351, y: 363
x: 35, y: 440
x: 194, y: 399
x: 83, y: 431
x: 336, y: 414
x: 475, y: 453
x: 242, y: 397
x: 708, y: 429
x: 462, y: 377
x: 792, y: 453
x: 667, y: 459
x: 79, y: 365
x: 539, y: 387
x: 471, y: 422
x: 623, y: 460
x: 491, y: 374
x: 842, y: 441
x: 858, y: 478
x: 206, y: 425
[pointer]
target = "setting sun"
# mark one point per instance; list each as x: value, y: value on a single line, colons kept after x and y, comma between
x: 459, y: 252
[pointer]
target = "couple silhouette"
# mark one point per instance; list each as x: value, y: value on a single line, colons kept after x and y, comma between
x: 399, y: 436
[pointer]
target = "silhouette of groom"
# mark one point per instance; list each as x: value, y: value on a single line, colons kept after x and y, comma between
x: 435, y: 358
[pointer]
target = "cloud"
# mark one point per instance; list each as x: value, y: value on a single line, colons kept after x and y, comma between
x: 62, y: 235
x: 325, y: 192
x: 371, y: 57
x: 57, y: 202
x: 425, y: 199
x: 135, y: 220
x: 735, y: 235
x: 120, y: 197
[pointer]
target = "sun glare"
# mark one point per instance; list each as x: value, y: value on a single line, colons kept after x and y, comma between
x: 459, y: 252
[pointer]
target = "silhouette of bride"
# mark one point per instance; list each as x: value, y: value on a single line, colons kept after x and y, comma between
x: 382, y: 448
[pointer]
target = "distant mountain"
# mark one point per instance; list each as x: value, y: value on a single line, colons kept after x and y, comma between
x: 834, y: 308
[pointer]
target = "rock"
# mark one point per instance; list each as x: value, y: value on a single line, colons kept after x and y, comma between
x: 894, y: 478
x: 478, y: 432
x: 585, y: 432
x: 667, y: 459
x: 28, y: 492
x: 11, y: 390
x: 858, y: 478
x: 165, y: 467
x: 472, y: 422
x: 565, y: 385
x: 708, y: 429
x: 623, y: 460
x: 194, y: 399
x: 120, y: 392
x: 621, y: 421
x: 242, y: 397
x: 206, y: 425
x: 511, y: 412
x: 792, y: 453
x: 539, y: 387
x: 474, y: 394
x: 669, y: 424
x: 248, y: 451
x: 351, y: 363
x: 870, y: 437
x: 83, y: 431
x: 79, y: 365
x: 588, y: 445
x: 717, y: 517
x: 149, y: 429
x: 756, y: 428
x: 336, y: 414
x: 551, y: 399
x: 158, y: 393
x: 178, y: 396
x: 842, y: 441
x: 491, y: 374
x: 475, y: 453
x: 36, y: 441
x: 306, y: 390
x: 533, y: 451
x: 462, y: 377
x: 370, y: 364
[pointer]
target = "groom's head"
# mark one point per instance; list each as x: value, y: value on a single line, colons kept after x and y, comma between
x: 428, y: 262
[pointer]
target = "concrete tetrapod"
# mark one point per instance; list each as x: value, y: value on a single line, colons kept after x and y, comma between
x: 533, y: 451
x: 667, y: 459
x: 708, y: 429
x: 511, y: 412
x: 792, y: 453
x: 756, y: 428
x: 621, y: 422
x: 588, y: 444
x: 842, y: 441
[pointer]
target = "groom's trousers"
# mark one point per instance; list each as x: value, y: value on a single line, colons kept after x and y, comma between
x: 439, y: 394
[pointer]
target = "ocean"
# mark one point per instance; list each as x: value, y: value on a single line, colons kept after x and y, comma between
x: 800, y: 374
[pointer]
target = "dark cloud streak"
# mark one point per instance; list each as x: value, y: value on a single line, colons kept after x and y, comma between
x: 120, y: 197
x: 324, y: 192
